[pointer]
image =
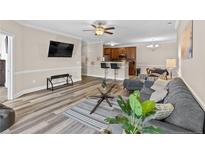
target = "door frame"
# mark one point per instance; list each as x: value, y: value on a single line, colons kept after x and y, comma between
x: 10, y: 59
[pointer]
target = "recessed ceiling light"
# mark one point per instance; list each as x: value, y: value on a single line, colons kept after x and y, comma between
x: 111, y: 43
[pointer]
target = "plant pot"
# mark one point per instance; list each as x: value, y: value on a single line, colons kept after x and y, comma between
x: 116, y: 128
x: 123, y: 132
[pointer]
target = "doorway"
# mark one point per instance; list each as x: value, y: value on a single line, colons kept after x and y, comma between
x: 6, y: 67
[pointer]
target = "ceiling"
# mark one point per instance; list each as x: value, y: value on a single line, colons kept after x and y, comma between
x: 126, y: 32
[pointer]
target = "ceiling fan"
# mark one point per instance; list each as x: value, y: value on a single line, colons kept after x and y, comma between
x: 100, y: 29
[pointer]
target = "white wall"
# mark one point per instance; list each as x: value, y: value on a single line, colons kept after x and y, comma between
x: 192, y: 70
x: 156, y: 58
x: 91, y: 57
x: 31, y: 62
x: 3, y: 54
x: 145, y: 57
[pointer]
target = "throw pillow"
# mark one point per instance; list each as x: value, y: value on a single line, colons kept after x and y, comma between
x: 160, y: 84
x: 158, y: 95
x: 163, y: 111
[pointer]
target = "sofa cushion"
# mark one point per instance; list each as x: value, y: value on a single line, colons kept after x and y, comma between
x: 174, y: 83
x: 148, y: 83
x: 132, y: 84
x: 146, y: 93
x: 175, y: 91
x: 187, y: 113
x: 144, y: 96
x: 168, y: 128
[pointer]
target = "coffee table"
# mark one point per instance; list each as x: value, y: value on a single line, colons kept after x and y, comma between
x: 104, y: 95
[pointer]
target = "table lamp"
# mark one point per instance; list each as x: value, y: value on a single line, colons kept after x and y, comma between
x: 171, y: 64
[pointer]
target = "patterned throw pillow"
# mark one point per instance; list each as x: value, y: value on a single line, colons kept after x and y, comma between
x: 163, y: 111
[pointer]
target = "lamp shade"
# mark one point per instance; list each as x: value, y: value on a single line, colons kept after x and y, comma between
x: 171, y: 63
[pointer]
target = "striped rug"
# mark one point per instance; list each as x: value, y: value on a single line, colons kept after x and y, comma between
x: 81, y: 113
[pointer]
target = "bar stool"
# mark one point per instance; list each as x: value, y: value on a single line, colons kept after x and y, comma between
x: 115, y: 67
x: 105, y: 67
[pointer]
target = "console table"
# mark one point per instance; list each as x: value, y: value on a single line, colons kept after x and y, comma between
x: 67, y: 80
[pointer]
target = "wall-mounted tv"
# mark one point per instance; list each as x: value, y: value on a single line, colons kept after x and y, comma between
x: 60, y: 49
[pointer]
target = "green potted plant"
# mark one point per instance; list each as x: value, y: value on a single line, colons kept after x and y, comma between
x: 135, y: 115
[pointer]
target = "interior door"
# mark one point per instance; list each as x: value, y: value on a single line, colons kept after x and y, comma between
x: 131, y: 55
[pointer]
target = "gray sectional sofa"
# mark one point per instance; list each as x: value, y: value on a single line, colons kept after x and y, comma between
x: 187, y: 117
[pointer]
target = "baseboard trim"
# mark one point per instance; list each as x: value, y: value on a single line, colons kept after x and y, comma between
x: 30, y: 90
x: 199, y: 100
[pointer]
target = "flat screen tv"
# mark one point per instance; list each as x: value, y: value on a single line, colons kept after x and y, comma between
x: 60, y: 49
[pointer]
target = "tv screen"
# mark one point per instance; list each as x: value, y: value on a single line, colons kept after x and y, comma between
x: 59, y: 49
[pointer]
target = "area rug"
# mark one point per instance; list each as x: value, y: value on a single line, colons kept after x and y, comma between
x: 81, y: 113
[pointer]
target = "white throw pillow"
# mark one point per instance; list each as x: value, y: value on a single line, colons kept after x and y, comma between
x: 163, y: 111
x: 158, y: 95
x: 160, y: 84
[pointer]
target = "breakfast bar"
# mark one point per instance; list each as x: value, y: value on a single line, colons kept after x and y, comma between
x: 121, y: 73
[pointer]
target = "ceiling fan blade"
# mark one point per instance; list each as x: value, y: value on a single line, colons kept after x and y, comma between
x: 109, y: 28
x: 93, y: 26
x: 108, y: 32
x: 88, y: 30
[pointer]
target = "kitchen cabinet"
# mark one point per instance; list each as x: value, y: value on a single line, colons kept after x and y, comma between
x: 125, y: 53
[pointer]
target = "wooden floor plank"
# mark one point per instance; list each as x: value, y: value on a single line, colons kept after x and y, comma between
x: 42, y: 111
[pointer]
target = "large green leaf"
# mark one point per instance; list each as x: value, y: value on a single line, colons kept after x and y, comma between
x: 124, y: 105
x: 152, y: 130
x: 135, y: 104
x: 137, y: 94
x: 148, y: 107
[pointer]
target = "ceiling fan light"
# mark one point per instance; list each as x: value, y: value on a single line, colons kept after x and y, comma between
x: 99, y: 31
x: 152, y: 46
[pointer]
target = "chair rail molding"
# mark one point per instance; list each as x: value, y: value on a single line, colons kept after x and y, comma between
x: 46, y: 70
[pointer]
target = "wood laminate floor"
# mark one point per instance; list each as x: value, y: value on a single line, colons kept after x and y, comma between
x: 42, y: 112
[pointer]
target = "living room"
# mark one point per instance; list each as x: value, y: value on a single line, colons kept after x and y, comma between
x: 32, y: 70
x: 102, y: 76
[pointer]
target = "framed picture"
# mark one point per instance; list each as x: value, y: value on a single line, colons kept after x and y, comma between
x: 187, y: 42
